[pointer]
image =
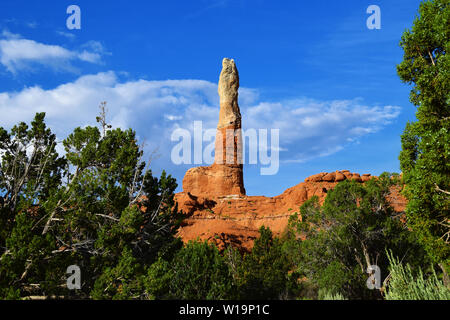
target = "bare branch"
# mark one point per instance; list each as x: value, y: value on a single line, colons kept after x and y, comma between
x: 431, y: 57
x: 106, y: 216
x: 436, y: 187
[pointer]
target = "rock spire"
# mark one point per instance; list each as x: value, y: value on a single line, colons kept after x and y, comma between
x: 225, y: 176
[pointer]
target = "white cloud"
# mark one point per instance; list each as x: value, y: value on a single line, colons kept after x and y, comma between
x: 9, y: 35
x: 68, y: 35
x: 18, y: 54
x: 89, y: 56
x: 308, y: 128
x: 172, y: 117
x: 32, y: 24
x: 94, y: 46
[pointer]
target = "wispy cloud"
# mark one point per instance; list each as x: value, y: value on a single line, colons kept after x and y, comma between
x: 208, y: 5
x: 32, y: 24
x: 9, y: 35
x: 308, y: 128
x: 17, y: 54
x: 68, y: 35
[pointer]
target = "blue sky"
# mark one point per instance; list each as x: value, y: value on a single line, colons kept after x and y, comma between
x: 310, y: 68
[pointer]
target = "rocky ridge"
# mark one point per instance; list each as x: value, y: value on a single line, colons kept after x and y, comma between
x: 214, y: 200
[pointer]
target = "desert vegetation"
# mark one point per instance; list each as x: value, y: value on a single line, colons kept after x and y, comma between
x: 98, y: 205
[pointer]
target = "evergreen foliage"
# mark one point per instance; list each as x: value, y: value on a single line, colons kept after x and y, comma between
x: 425, y: 155
x: 333, y: 245
x: 97, y: 207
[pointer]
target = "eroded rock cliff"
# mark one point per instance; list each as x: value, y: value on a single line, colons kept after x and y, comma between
x: 236, y: 220
x: 214, y: 198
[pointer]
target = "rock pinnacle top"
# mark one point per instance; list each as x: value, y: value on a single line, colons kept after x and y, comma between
x: 228, y: 92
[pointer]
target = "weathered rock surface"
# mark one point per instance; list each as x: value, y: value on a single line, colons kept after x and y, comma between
x: 229, y: 113
x: 215, y: 180
x: 214, y: 199
x: 236, y: 220
x: 225, y: 176
x: 338, y: 176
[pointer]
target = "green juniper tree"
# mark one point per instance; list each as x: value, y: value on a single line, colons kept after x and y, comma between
x: 30, y: 174
x: 197, y: 271
x: 425, y: 155
x: 98, y: 207
x: 265, y: 272
x: 333, y: 245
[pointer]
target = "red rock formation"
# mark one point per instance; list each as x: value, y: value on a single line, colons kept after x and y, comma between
x: 213, y: 197
x: 236, y: 220
x: 225, y: 176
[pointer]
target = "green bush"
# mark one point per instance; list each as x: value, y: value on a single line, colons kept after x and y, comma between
x: 197, y: 272
x: 265, y: 273
x: 404, y: 285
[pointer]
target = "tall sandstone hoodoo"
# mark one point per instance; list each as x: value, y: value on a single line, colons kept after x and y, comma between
x: 225, y: 176
x: 214, y: 198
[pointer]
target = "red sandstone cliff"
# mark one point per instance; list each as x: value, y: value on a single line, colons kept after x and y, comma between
x: 214, y: 199
x: 236, y: 220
